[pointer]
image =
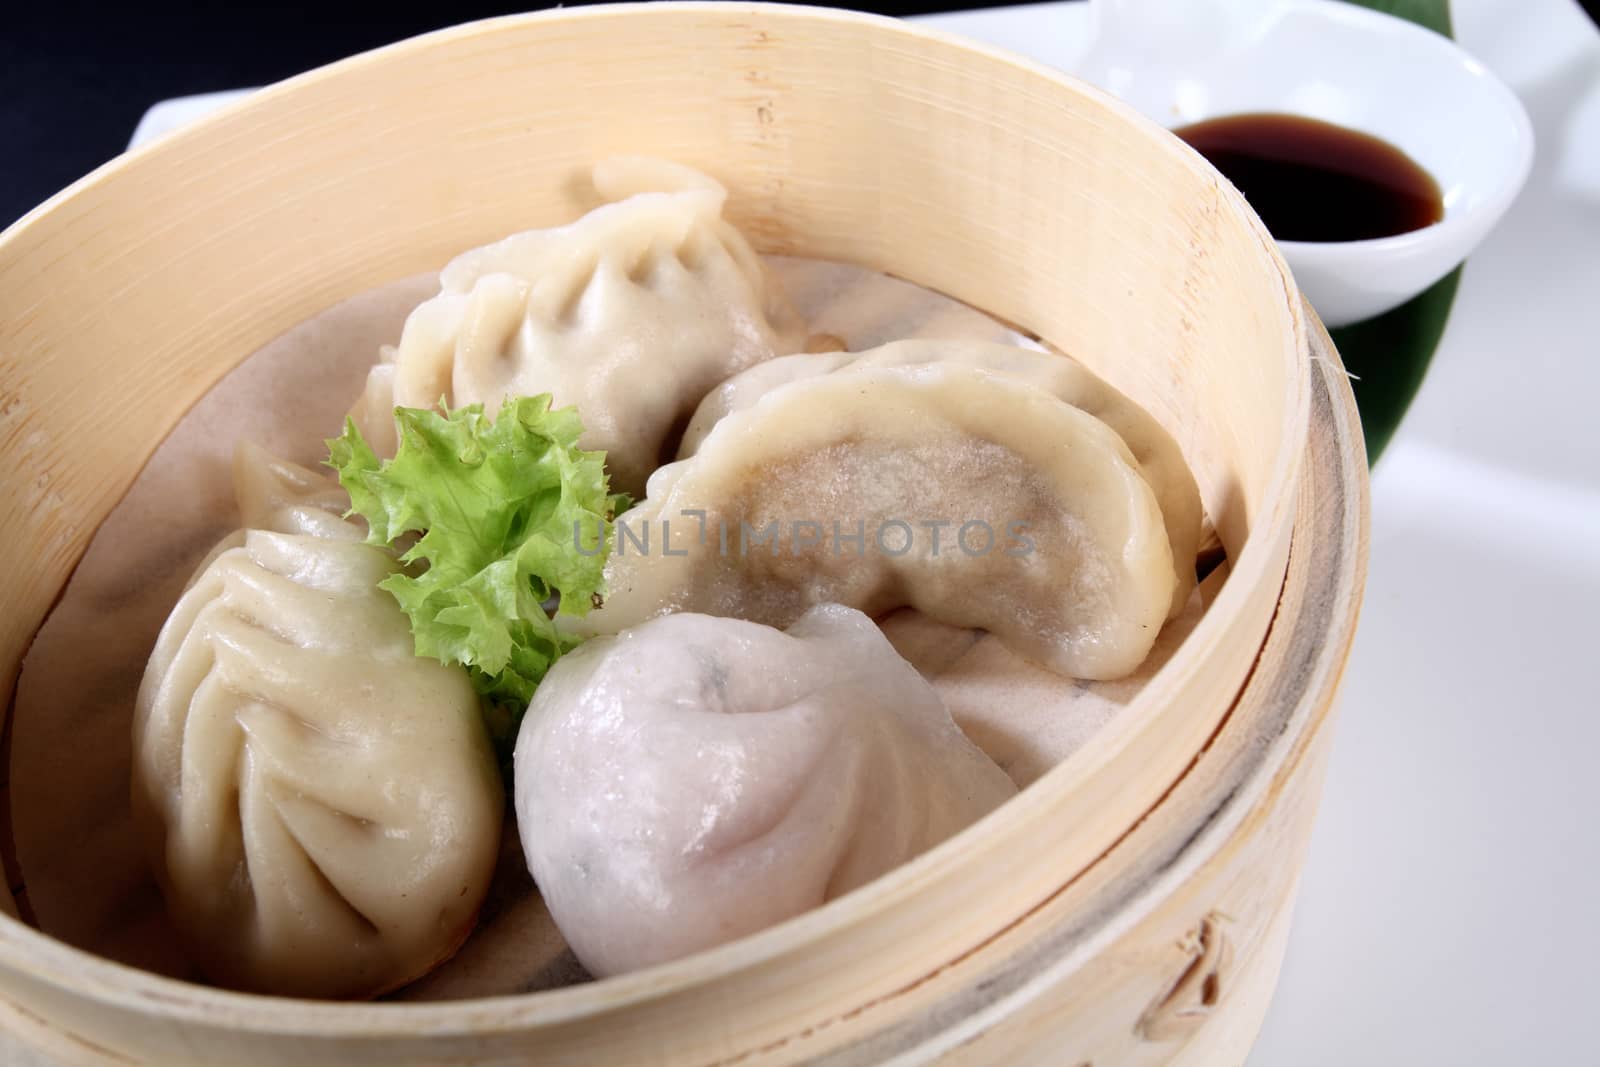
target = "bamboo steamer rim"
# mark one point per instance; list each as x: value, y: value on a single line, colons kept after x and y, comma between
x: 1270, y: 741
x: 30, y: 951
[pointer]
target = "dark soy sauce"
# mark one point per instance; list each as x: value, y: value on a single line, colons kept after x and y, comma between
x: 1315, y: 181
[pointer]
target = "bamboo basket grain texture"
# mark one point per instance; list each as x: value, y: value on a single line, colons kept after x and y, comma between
x: 840, y: 136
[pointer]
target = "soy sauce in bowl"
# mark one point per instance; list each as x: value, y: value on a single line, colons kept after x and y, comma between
x: 1316, y: 181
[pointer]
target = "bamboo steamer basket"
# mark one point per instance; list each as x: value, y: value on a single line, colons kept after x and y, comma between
x: 1130, y: 907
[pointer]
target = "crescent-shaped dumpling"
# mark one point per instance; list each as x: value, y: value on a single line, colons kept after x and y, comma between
x: 973, y: 497
x: 1157, y: 454
x: 632, y: 314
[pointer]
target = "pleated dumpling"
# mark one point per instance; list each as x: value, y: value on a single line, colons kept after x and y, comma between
x: 696, y: 779
x: 320, y: 805
x: 632, y: 314
x: 1159, y: 459
x: 976, y: 498
x: 275, y: 494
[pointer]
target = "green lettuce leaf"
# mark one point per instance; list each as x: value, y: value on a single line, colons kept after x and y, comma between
x: 511, y: 513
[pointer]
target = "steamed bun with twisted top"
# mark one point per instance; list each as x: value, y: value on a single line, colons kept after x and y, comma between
x: 320, y: 805
x: 696, y: 779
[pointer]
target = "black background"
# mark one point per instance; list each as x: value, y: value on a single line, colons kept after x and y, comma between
x: 75, y: 78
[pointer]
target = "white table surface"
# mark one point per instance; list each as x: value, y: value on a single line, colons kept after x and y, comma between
x: 1448, y: 913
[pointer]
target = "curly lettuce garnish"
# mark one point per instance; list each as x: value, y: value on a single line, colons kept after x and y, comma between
x: 512, y: 515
